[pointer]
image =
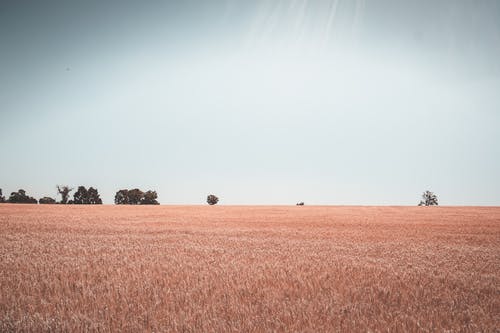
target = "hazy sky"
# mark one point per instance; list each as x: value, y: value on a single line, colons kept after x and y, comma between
x: 258, y: 102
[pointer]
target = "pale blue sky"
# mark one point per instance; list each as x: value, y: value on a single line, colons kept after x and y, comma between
x: 259, y: 102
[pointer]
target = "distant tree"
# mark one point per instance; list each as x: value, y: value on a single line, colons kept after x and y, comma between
x: 80, y: 197
x: 2, y: 198
x: 135, y: 196
x: 300, y: 203
x: 64, y: 192
x: 212, y: 199
x: 121, y: 197
x: 428, y: 199
x: 47, y: 201
x: 93, y: 196
x: 21, y: 197
x: 149, y: 198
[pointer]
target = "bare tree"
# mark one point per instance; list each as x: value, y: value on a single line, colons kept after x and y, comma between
x: 64, y: 191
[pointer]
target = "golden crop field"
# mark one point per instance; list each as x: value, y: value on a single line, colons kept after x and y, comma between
x: 249, y: 269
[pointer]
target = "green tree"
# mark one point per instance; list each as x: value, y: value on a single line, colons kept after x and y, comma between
x: 149, y: 198
x: 212, y: 199
x: 21, y: 197
x: 121, y: 197
x: 80, y: 197
x: 83, y: 196
x: 2, y: 198
x: 93, y: 196
x: 428, y: 199
x: 136, y: 197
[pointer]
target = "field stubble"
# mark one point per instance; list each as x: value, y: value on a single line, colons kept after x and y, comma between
x: 249, y: 269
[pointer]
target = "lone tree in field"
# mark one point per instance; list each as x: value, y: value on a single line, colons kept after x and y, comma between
x: 64, y: 192
x: 83, y: 196
x: 212, y: 200
x: 428, y: 199
x: 2, y: 199
x: 47, y: 201
x: 21, y: 197
x: 136, y: 197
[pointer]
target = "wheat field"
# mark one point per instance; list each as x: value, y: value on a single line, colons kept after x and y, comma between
x: 249, y: 269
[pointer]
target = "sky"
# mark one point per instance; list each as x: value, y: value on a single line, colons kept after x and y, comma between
x: 337, y: 102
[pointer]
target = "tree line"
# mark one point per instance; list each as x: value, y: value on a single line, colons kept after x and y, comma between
x: 84, y: 196
x: 90, y: 196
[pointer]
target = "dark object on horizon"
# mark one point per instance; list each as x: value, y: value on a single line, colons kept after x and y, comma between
x: 136, y: 197
x: 121, y: 197
x: 149, y: 198
x: 300, y: 203
x: 128, y: 197
x: 2, y: 199
x: 212, y: 199
x: 83, y: 196
x: 64, y: 192
x: 47, y: 201
x: 428, y: 199
x: 93, y: 196
x: 21, y: 197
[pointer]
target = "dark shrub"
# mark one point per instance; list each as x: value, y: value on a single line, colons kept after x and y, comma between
x: 21, y: 197
x: 47, y: 201
x: 212, y: 199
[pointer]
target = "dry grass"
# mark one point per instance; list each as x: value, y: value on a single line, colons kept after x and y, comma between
x: 249, y: 269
